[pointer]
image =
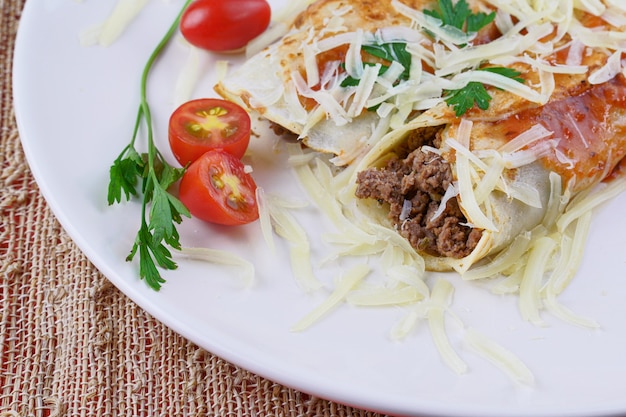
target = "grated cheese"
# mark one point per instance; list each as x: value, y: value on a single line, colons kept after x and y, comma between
x: 526, y: 138
x: 354, y: 63
x: 615, y: 16
x: 501, y: 262
x: 451, y: 192
x: 368, y: 78
x: 324, y: 199
x: 265, y: 221
x: 530, y: 155
x: 467, y: 198
x: 601, y: 194
x: 347, y: 281
x: 570, y: 252
x: 490, y: 180
x: 499, y: 81
x: 310, y: 65
x: 612, y: 67
x: 538, y: 265
x: 575, y: 53
x: 403, y: 327
x: 121, y: 16
x: 525, y: 26
x: 435, y: 26
x: 189, y: 74
x: 530, y: 288
x: 501, y: 357
x: 378, y: 296
x: 439, y: 302
x: 572, y: 249
x: 286, y: 226
x: 401, y: 272
x: 221, y: 257
x: 595, y: 7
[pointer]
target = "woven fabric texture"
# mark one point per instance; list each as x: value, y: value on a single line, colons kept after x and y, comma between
x: 72, y: 345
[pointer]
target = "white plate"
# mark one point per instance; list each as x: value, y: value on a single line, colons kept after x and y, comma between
x: 76, y: 107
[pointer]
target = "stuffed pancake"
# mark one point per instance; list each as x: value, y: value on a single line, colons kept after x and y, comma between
x: 470, y: 123
x: 462, y: 189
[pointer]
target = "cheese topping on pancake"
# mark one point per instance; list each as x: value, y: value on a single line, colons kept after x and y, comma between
x: 321, y: 82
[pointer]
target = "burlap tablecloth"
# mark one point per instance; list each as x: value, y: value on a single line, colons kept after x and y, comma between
x: 72, y: 345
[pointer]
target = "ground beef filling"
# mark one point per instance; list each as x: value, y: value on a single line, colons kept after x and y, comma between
x: 417, y: 182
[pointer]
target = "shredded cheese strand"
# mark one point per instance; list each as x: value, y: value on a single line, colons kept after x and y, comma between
x: 439, y: 302
x: 221, y: 257
x: 530, y: 287
x: 286, y: 226
x: 603, y: 193
x: 503, y: 358
x: 385, y: 296
x: 346, y: 283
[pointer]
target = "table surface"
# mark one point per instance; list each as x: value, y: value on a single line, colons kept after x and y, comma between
x: 71, y: 344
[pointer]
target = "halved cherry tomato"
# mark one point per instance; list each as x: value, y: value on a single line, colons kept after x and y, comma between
x: 217, y: 189
x: 198, y: 126
x: 224, y: 25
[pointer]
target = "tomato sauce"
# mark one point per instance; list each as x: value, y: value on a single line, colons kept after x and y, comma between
x: 590, y: 126
x: 337, y: 54
x: 618, y: 172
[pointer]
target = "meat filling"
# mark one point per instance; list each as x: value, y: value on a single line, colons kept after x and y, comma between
x: 413, y: 186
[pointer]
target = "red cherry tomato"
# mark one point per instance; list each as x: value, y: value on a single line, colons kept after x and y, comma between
x: 215, y: 188
x: 224, y: 25
x: 198, y: 126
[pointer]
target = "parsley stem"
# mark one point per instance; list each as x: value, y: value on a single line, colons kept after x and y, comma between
x: 144, y: 107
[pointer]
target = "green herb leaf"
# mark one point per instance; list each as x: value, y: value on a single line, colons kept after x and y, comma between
x: 451, y: 14
x: 464, y: 99
x: 148, y: 269
x: 124, y: 175
x: 477, y: 21
x: 460, y: 16
x: 149, y: 251
x: 354, y: 82
x: 395, y: 51
x: 161, y: 211
x: 162, y: 219
x: 507, y: 72
x: 475, y: 93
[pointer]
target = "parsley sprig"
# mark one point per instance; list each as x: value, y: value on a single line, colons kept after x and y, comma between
x: 460, y: 16
x: 161, y: 210
x: 476, y: 93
